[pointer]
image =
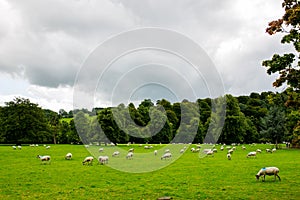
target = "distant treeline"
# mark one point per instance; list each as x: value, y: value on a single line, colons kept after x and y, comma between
x: 266, y: 117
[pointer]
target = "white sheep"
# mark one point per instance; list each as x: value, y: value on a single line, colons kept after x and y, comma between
x: 230, y: 151
x: 215, y: 150
x: 116, y: 153
x: 14, y: 147
x: 268, y: 151
x: 210, y: 153
x: 103, y: 159
x: 229, y: 156
x: 101, y: 149
x: 258, y: 150
x: 273, y: 150
x: 68, y: 156
x: 166, y: 155
x: 48, y: 147
x: 88, y: 160
x: 244, y: 148
x: 129, y: 155
x: 167, y: 151
x: 268, y: 171
x: 251, y: 154
x: 155, y: 152
x: 19, y: 147
x: 146, y: 147
x: 131, y: 150
x: 181, y: 150
x: 44, y: 159
x: 221, y: 148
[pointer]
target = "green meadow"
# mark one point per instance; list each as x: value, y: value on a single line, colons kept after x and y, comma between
x: 23, y: 176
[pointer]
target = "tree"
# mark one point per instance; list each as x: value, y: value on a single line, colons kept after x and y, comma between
x: 23, y: 121
x: 273, y: 125
x: 285, y: 65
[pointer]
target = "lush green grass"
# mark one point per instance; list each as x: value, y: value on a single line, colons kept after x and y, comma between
x: 22, y: 176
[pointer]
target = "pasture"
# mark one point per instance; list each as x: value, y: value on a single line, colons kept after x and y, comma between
x: 22, y: 176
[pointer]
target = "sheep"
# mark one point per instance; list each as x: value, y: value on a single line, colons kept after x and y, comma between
x: 146, y: 147
x: 131, y: 150
x: 14, y: 147
x: 155, y: 152
x: 86, y: 146
x: 268, y: 171
x: 215, y: 150
x: 273, y: 150
x: 103, y: 159
x: 229, y: 156
x: 68, y: 156
x: 129, y: 155
x: 230, y: 151
x: 48, y: 147
x: 251, y: 154
x: 166, y: 155
x: 32, y: 145
x: 19, y: 147
x: 210, y: 153
x: 192, y: 149
x: 258, y: 150
x: 88, y: 160
x: 221, y: 148
x: 167, y: 151
x: 196, y: 150
x: 233, y: 148
x: 268, y: 151
x: 244, y: 148
x: 44, y: 159
x: 101, y: 150
x: 181, y: 150
x: 116, y: 153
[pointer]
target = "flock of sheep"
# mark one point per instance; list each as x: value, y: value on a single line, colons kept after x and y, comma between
x: 168, y: 155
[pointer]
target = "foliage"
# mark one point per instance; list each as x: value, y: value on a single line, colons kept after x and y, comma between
x: 23, y: 121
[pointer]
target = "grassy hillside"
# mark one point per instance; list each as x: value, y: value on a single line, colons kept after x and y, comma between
x: 22, y: 176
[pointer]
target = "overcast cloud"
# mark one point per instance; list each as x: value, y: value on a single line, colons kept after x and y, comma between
x: 43, y: 45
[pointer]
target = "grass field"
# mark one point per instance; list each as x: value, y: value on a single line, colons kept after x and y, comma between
x: 22, y: 176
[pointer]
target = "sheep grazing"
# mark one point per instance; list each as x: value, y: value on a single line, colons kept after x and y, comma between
x: 244, y: 148
x: 230, y: 151
x: 167, y: 151
x: 14, y: 147
x: 268, y: 151
x: 181, y: 150
x: 101, y: 149
x: 251, y: 154
x: 229, y: 156
x: 210, y: 153
x: 44, y: 159
x: 215, y: 150
x: 146, y: 147
x: 155, y: 152
x: 88, y: 160
x: 68, y: 156
x: 116, y: 153
x: 166, y: 155
x: 129, y: 155
x: 48, y: 147
x: 19, y: 147
x: 221, y: 148
x: 273, y: 150
x: 268, y: 171
x: 131, y: 150
x: 103, y: 160
x: 258, y: 150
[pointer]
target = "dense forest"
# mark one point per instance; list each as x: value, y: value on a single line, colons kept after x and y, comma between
x: 265, y: 117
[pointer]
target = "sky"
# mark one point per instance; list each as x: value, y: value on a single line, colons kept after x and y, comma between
x: 97, y: 53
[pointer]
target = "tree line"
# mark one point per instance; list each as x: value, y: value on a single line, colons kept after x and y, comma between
x: 265, y: 117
